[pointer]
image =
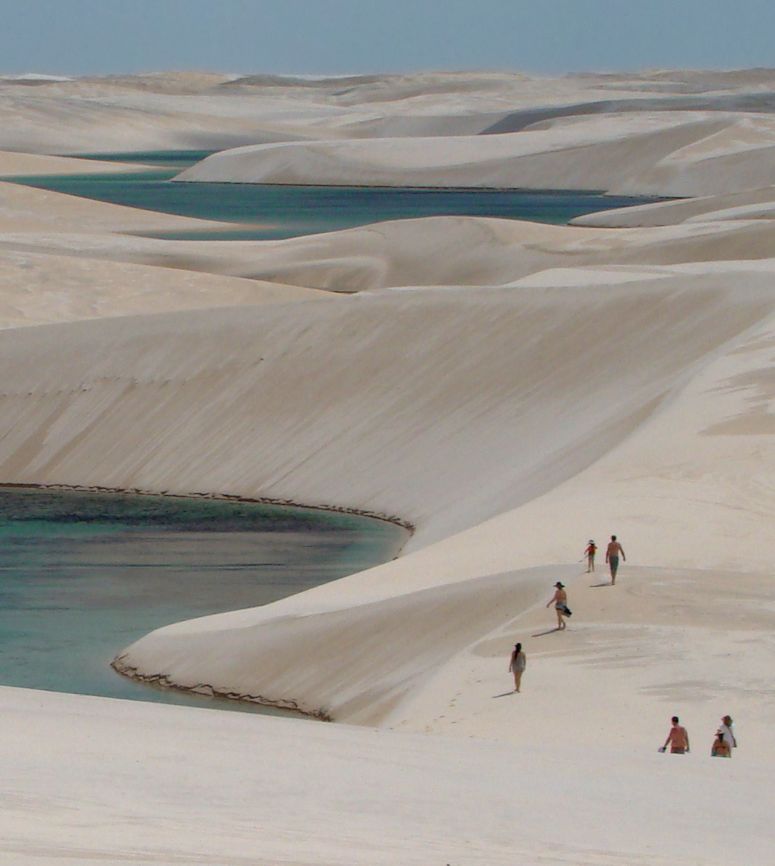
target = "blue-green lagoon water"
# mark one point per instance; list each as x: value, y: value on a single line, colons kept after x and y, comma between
x: 83, y: 575
x: 274, y: 211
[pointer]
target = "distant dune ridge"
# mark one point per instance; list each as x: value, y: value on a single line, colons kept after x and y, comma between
x: 507, y: 388
x: 668, y: 154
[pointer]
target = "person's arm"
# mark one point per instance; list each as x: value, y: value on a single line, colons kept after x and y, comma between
x: 687, y: 740
x: 622, y: 552
x: 551, y: 599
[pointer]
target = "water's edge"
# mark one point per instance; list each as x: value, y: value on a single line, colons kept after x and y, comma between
x: 164, y: 681
x: 219, y: 497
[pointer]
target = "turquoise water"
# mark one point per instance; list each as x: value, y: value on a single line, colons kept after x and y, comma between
x: 83, y: 575
x: 280, y: 211
x: 176, y: 158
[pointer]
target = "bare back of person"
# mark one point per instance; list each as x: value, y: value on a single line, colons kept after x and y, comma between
x: 679, y: 739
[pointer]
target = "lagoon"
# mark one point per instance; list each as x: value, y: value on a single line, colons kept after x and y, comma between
x: 82, y: 575
x: 271, y: 212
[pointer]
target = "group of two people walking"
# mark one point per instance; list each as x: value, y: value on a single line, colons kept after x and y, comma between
x: 612, y: 554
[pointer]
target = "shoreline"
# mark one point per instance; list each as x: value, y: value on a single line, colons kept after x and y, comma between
x: 648, y: 197
x: 164, y: 681
x: 221, y: 497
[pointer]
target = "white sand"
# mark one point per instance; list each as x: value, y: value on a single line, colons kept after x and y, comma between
x: 278, y: 791
x: 510, y: 389
x: 666, y: 153
x: 750, y: 204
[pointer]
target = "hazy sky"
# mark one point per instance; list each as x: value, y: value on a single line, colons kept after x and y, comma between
x: 341, y: 36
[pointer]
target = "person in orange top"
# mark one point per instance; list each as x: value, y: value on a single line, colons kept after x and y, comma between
x: 590, y: 555
x: 720, y: 747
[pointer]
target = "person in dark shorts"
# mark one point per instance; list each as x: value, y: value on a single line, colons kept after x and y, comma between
x: 560, y: 602
x: 612, y: 554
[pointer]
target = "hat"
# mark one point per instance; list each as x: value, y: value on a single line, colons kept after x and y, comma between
x: 560, y: 585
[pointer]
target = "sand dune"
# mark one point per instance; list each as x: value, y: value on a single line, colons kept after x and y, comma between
x: 188, y: 110
x: 383, y: 455
x: 508, y: 339
x: 36, y: 164
x: 38, y: 289
x: 344, y: 795
x: 750, y: 204
x: 659, y: 153
x: 523, y: 537
x: 510, y: 389
x: 433, y: 251
x: 28, y: 209
x: 64, y: 258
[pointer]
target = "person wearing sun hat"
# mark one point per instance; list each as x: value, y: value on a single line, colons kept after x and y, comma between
x: 560, y: 601
x: 590, y: 552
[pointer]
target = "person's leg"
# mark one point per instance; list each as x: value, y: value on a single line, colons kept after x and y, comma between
x: 614, y: 562
x: 517, y: 680
x: 559, y: 618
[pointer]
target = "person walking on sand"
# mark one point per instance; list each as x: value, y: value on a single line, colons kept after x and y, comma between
x: 590, y: 555
x: 727, y: 728
x: 678, y: 739
x: 613, y: 551
x: 720, y: 747
x: 517, y: 665
x: 560, y: 602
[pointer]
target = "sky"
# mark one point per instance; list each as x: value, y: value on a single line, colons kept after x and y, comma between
x: 84, y: 37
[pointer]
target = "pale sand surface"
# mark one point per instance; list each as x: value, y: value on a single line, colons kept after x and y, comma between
x: 267, y: 791
x: 666, y: 153
x: 750, y: 204
x: 434, y: 251
x: 200, y: 111
x: 38, y: 289
x: 39, y: 164
x: 510, y: 389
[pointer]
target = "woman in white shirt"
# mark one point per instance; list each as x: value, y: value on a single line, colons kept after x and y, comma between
x: 728, y: 730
